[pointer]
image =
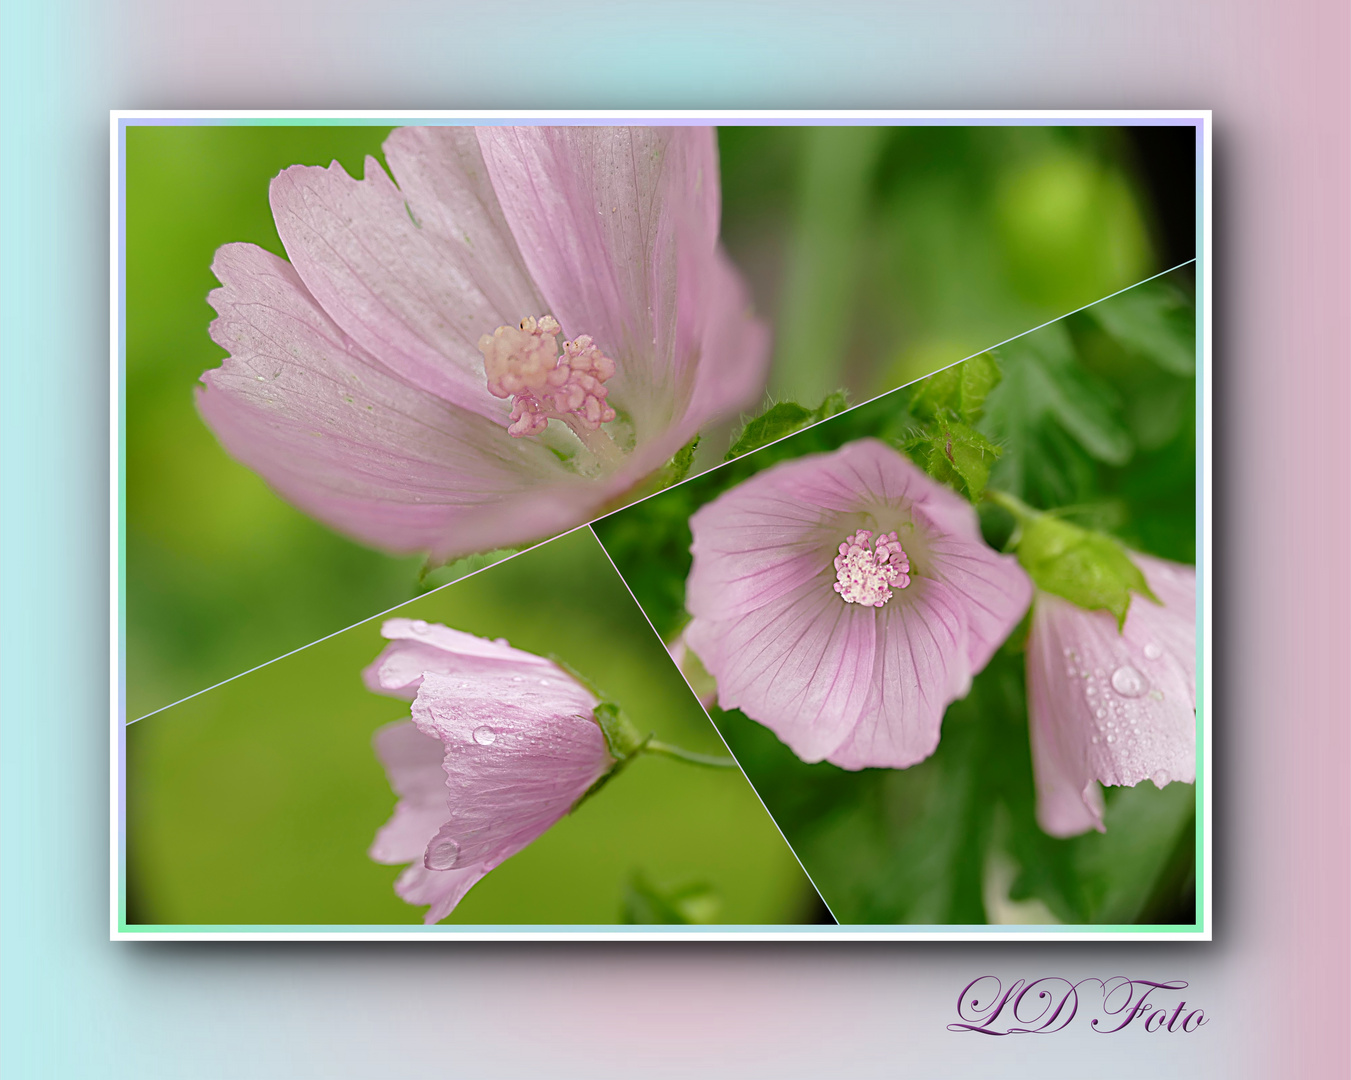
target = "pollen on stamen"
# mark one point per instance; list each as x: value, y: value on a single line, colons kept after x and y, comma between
x: 524, y: 363
x: 864, y: 576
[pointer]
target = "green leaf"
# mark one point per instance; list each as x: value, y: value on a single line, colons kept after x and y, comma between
x: 1154, y: 320
x: 679, y: 466
x: 645, y: 903
x: 783, y: 419
x: 1119, y: 868
x: 435, y: 574
x: 956, y: 455
x: 959, y: 390
x: 1053, y: 418
x: 1089, y: 569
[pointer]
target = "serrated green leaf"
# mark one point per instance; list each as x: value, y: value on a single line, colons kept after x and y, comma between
x: 959, y: 390
x: 1089, y: 569
x: 980, y: 375
x: 783, y: 419
x: 1053, y: 418
x: 956, y: 455
x: 771, y: 425
x: 1155, y: 321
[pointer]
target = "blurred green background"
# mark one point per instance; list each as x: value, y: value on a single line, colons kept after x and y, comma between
x: 878, y: 254
x: 254, y: 803
x: 1095, y: 416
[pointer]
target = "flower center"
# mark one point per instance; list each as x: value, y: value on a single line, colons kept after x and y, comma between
x: 867, y: 577
x: 524, y: 364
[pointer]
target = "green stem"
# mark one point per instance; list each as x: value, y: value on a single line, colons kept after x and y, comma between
x: 1014, y: 505
x: 707, y: 760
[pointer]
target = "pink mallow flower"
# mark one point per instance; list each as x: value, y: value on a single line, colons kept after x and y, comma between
x: 1108, y: 706
x: 524, y: 328
x: 501, y: 745
x: 844, y: 600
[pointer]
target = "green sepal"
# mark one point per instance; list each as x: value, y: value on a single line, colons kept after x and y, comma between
x: 621, y: 739
x: 959, y: 390
x: 955, y: 454
x: 692, y: 904
x: 783, y: 419
x: 1089, y: 569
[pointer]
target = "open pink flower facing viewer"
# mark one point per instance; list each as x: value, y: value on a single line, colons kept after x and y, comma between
x: 1108, y: 706
x: 844, y: 600
x: 523, y: 329
x: 501, y: 744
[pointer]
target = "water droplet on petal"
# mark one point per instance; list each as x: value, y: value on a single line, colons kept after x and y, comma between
x: 1160, y: 778
x: 1095, y: 740
x: 419, y: 626
x: 1102, y: 713
x: 1111, y: 738
x: 545, y: 682
x: 485, y: 736
x: 1128, y: 682
x: 1152, y: 651
x: 442, y: 855
x: 517, y: 678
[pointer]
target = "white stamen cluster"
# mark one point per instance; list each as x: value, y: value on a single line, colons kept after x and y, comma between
x: 864, y: 576
x: 524, y: 363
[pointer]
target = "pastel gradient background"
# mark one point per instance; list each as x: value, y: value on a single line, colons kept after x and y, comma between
x: 1274, y: 981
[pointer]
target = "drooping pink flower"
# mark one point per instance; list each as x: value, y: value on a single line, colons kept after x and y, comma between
x: 1108, y: 706
x: 844, y: 600
x: 529, y: 324
x: 502, y: 743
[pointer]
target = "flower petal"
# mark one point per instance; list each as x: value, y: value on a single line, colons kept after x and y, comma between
x: 994, y: 589
x: 442, y: 889
x: 518, y: 753
x: 730, y: 345
x: 800, y: 663
x: 412, y: 762
x: 921, y: 668
x: 600, y: 214
x: 416, y: 296
x: 1109, y: 707
x: 348, y: 442
x: 417, y: 647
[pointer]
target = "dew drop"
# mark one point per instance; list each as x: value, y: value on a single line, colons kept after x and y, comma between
x: 1102, y: 713
x: 1128, y: 682
x: 419, y: 626
x: 545, y: 682
x: 1111, y: 738
x: 1156, y: 695
x: 1152, y: 651
x: 442, y: 855
x: 485, y: 736
x: 1095, y: 740
x: 1160, y: 778
x: 517, y: 678
x: 1091, y: 690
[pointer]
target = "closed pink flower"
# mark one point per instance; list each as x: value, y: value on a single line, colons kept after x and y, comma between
x: 525, y: 327
x: 502, y: 743
x: 844, y: 600
x: 1108, y: 706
